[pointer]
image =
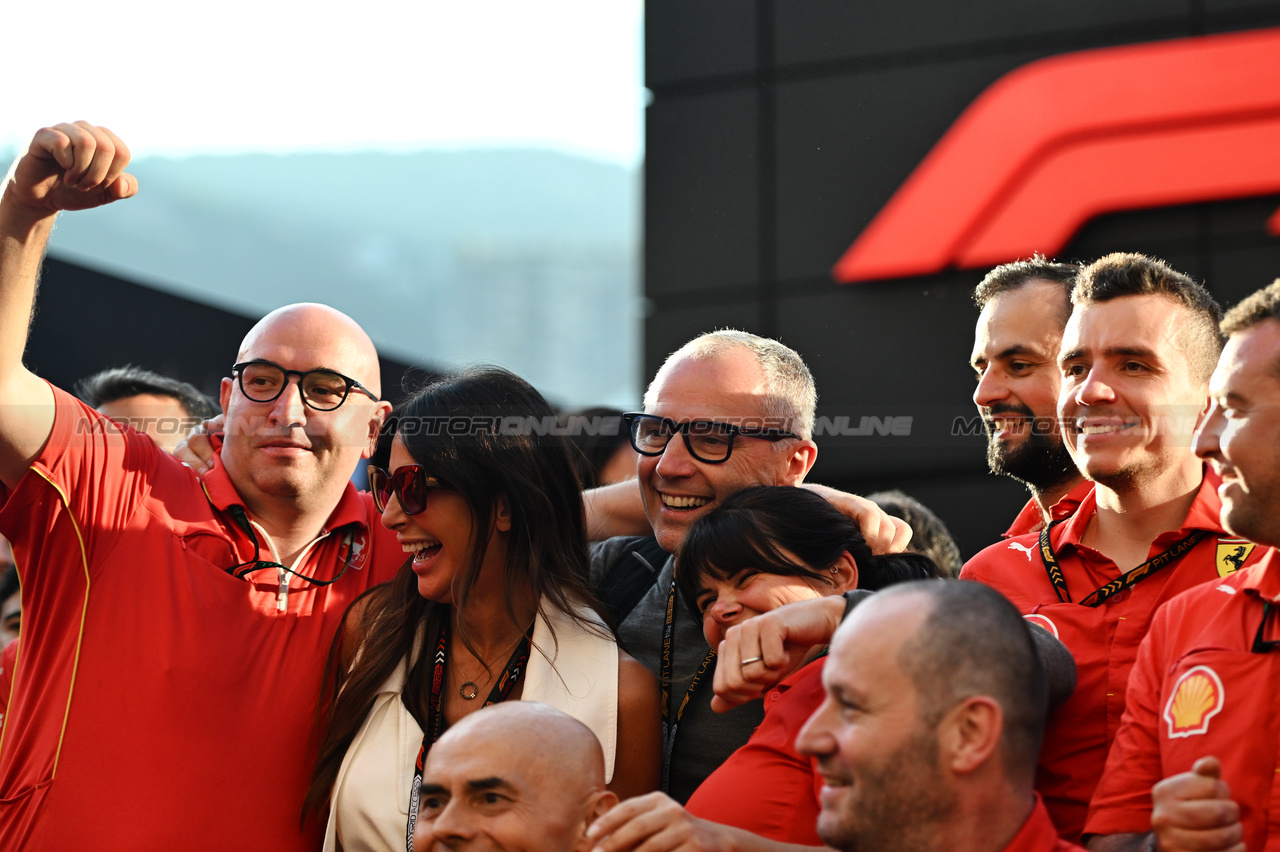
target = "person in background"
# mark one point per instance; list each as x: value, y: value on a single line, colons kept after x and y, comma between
x: 760, y: 549
x: 156, y: 405
x: 603, y: 452
x: 1024, y: 307
x: 929, y: 535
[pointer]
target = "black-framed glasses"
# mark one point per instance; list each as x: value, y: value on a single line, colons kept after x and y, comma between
x: 410, y: 483
x: 322, y: 390
x: 706, y: 440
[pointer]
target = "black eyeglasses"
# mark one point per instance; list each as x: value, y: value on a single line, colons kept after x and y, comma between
x: 322, y: 390
x: 410, y: 483
x: 706, y: 440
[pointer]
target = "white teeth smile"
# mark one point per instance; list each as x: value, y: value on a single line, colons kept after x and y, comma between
x: 420, y: 549
x: 1101, y: 429
x: 672, y: 502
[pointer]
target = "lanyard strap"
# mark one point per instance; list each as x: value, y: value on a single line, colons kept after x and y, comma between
x: 1127, y: 580
x: 435, y: 711
x: 1260, y: 645
x: 244, y: 569
x: 670, y: 725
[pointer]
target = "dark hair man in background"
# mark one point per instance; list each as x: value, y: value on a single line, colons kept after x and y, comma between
x: 1024, y: 307
x: 1136, y: 358
x: 927, y: 739
x: 156, y: 405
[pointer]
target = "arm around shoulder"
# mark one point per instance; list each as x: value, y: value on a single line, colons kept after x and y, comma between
x: 614, y: 510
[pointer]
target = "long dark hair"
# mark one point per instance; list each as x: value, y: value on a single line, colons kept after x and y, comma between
x: 751, y: 528
x: 486, y: 433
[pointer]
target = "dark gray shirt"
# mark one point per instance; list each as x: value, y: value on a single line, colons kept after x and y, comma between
x: 704, y: 738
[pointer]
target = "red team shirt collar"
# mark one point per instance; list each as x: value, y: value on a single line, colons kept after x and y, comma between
x: 1263, y: 579
x: 1203, y: 515
x: 1029, y: 519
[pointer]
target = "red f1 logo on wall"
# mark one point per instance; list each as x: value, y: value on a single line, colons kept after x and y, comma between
x: 1062, y: 140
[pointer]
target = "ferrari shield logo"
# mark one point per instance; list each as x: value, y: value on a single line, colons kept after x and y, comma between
x: 1232, y: 553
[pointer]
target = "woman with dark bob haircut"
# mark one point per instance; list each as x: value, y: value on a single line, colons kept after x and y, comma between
x: 760, y: 549
x: 491, y: 605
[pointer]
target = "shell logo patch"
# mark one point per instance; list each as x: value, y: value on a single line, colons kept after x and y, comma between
x: 1197, y: 697
x: 1045, y: 622
x: 1232, y: 553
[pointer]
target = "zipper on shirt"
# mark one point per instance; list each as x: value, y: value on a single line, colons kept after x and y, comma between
x: 282, y: 589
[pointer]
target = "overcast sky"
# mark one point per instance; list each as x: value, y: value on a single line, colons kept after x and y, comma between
x: 267, y: 75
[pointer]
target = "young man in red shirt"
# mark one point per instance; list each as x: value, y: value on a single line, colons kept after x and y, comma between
x: 1201, y: 711
x: 174, y: 632
x: 1025, y: 305
x: 1136, y: 358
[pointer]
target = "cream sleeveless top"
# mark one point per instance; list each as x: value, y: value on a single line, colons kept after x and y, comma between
x: 572, y: 669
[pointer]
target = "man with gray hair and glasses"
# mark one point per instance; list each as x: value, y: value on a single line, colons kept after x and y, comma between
x: 726, y: 411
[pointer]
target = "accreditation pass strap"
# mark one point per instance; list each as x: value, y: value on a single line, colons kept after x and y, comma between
x: 502, y: 689
x: 1127, y: 580
x: 669, y: 724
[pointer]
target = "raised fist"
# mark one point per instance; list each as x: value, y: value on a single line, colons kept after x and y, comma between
x: 72, y: 167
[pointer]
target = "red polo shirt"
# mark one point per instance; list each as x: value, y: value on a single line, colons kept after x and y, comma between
x: 1038, y: 835
x: 1199, y: 689
x: 1029, y: 520
x: 158, y: 702
x: 1103, y: 640
x: 766, y: 786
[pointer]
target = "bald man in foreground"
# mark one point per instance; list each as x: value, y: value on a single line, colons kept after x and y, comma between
x: 174, y: 634
x: 514, y: 777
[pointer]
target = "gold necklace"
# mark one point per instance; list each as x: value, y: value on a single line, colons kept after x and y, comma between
x: 469, y: 690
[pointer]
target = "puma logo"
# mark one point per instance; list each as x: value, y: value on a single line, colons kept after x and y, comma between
x: 1013, y: 545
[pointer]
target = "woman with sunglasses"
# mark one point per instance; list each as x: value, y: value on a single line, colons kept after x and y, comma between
x: 760, y: 549
x: 491, y: 605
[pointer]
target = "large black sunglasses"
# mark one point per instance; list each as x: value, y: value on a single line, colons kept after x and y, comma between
x: 706, y: 440
x: 410, y: 483
x: 322, y: 390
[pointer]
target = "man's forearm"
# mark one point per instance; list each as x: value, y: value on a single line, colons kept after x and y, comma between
x: 613, y: 510
x: 1121, y: 843
x: 27, y: 415
x: 24, y: 234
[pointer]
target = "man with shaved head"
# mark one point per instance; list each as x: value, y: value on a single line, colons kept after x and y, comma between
x: 934, y: 712
x: 513, y: 777
x: 174, y: 633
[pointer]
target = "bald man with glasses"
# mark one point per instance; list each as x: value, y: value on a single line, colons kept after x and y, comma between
x: 175, y: 631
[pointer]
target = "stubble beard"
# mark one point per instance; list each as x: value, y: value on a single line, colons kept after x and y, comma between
x: 901, y: 803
